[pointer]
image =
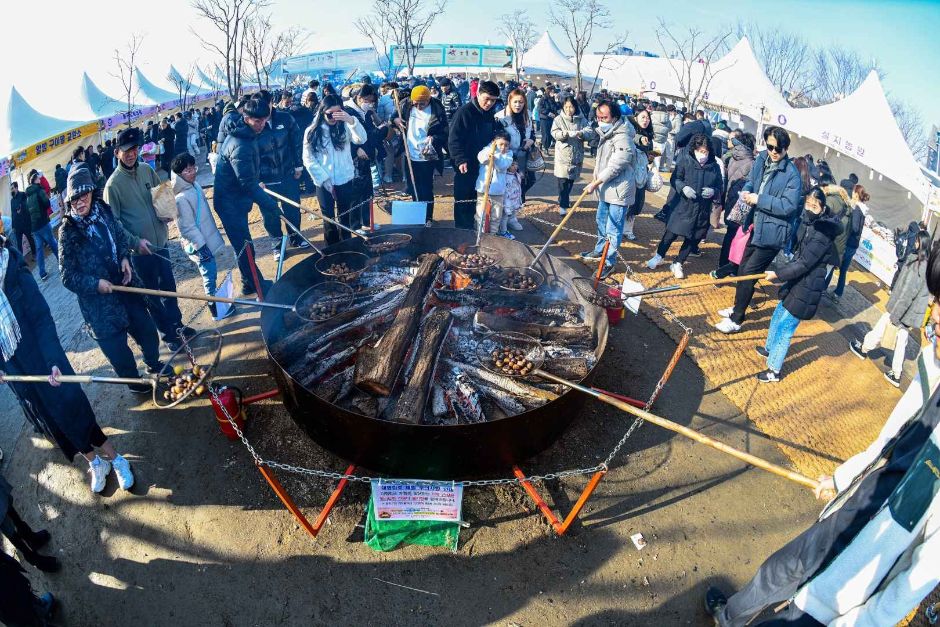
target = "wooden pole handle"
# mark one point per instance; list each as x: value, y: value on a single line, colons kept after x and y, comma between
x: 204, y: 297
x: 485, y: 217
x: 688, y: 286
x: 753, y: 460
x: 404, y: 139
x: 561, y: 225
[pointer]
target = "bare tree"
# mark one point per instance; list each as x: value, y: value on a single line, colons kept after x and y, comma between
x: 838, y: 72
x: 229, y: 18
x: 382, y: 37
x: 911, y: 125
x: 402, y: 23
x: 126, y: 61
x: 183, y: 84
x: 263, y: 48
x: 520, y: 32
x: 578, y: 19
x: 692, y: 55
x: 615, y: 43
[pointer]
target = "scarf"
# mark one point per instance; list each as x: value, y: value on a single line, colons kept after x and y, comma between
x: 93, y: 225
x: 10, y: 334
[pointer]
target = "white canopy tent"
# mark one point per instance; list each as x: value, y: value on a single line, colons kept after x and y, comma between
x: 205, y: 80
x: 859, y: 134
x: 738, y: 83
x: 151, y: 92
x: 97, y: 103
x: 24, y: 126
x: 544, y: 58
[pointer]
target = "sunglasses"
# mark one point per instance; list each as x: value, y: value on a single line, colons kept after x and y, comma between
x: 775, y: 148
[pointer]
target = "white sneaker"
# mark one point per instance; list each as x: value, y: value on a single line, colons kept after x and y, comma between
x: 122, y: 468
x: 728, y: 326
x: 726, y: 313
x: 514, y: 223
x: 654, y: 262
x: 677, y: 272
x: 99, y: 470
x: 562, y: 211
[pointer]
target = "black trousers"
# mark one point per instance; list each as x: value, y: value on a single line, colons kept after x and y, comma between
x: 157, y: 274
x: 756, y: 259
x: 638, y: 203
x: 335, y: 204
x: 424, y: 181
x: 465, y: 196
x: 140, y: 327
x: 18, y: 604
x: 290, y: 188
x: 732, y: 230
x: 234, y: 216
x: 564, y: 192
x: 546, y: 127
x: 668, y: 238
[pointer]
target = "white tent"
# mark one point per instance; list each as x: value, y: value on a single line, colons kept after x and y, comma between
x: 545, y: 58
x: 95, y: 102
x: 24, y: 126
x: 151, y: 92
x: 859, y: 134
x: 738, y: 84
x: 205, y: 80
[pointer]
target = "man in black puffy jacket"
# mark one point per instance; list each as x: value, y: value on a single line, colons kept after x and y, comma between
x: 238, y: 186
x: 181, y: 130
x: 280, y: 145
x: 472, y: 128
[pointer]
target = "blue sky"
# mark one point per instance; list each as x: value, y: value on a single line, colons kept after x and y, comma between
x: 903, y: 35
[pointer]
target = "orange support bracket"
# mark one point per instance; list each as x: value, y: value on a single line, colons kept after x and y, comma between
x: 560, y: 527
x: 288, y: 502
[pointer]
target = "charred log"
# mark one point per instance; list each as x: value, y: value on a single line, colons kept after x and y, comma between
x: 414, y: 395
x: 581, y: 335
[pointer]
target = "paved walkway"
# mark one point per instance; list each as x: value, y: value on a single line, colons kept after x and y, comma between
x: 829, y: 404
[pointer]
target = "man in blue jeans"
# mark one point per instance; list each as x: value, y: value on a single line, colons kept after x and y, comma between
x: 128, y: 192
x: 613, y: 182
x: 37, y: 202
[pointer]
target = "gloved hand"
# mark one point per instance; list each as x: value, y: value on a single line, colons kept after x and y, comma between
x: 328, y: 185
x: 205, y: 255
x: 689, y: 193
x: 707, y: 192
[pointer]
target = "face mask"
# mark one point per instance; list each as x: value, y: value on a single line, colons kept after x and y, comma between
x: 701, y: 158
x: 605, y: 126
x: 367, y: 106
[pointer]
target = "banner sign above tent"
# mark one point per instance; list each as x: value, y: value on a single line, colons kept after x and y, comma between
x: 456, y: 55
x: 4, y: 167
x: 347, y: 60
x: 51, y: 143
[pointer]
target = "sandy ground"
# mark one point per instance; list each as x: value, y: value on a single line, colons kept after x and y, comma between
x: 202, y: 539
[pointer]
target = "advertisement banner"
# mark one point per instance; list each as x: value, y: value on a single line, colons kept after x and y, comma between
x: 456, y: 55
x: 877, y: 255
x: 39, y: 148
x: 119, y: 119
x: 417, y: 500
x: 4, y: 166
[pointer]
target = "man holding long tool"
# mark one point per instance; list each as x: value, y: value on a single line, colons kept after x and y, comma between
x: 423, y: 123
x: 471, y: 130
x: 873, y: 553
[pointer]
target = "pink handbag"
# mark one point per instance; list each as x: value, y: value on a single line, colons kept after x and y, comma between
x: 738, y: 244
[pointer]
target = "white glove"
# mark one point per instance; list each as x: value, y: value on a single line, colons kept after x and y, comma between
x: 707, y: 192
x: 327, y: 185
x: 689, y: 193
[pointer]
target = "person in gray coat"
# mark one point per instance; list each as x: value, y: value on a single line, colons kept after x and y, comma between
x: 613, y: 182
x: 569, y: 130
x: 906, y: 309
x: 662, y: 129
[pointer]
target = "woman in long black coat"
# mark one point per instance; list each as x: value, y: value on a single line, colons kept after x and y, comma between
x: 24, y: 539
x: 699, y: 183
x: 30, y: 346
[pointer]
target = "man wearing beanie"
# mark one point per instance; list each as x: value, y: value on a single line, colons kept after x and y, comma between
x: 238, y: 186
x: 128, y: 192
x: 472, y: 128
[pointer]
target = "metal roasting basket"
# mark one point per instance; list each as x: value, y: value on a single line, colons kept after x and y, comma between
x: 524, y: 347
x: 323, y: 301
x: 605, y: 294
x: 460, y: 259
x: 202, y: 350
x: 386, y: 242
x: 356, y: 264
x: 505, y: 278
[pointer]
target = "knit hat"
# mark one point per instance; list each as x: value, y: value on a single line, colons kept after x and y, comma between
x: 79, y: 183
x: 420, y: 94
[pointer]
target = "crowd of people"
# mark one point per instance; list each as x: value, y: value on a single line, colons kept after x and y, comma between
x: 786, y: 219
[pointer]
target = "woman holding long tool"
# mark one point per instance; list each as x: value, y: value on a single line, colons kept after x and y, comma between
x: 29, y: 344
x: 423, y: 123
x: 805, y: 279
x: 94, y: 255
x: 328, y: 157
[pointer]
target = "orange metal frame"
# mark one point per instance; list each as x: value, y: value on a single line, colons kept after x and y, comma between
x: 288, y: 502
x: 561, y: 527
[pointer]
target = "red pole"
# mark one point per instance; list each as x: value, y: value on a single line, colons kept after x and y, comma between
x: 600, y: 264
x: 331, y: 502
x: 582, y: 500
x: 286, y: 499
x: 248, y: 400
x: 249, y: 250
x: 542, y: 505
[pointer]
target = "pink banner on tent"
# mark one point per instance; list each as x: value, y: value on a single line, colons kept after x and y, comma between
x: 4, y: 167
x: 118, y: 119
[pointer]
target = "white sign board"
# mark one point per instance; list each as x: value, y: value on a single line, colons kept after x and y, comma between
x: 877, y: 255
x: 417, y: 500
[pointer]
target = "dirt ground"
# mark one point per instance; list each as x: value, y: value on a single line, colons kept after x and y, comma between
x: 202, y: 539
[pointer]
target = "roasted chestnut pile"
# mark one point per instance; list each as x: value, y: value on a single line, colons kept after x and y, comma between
x: 511, y: 361
x: 338, y: 269
x: 605, y: 300
x: 516, y: 280
x: 323, y: 311
x: 473, y: 261
x: 183, y: 381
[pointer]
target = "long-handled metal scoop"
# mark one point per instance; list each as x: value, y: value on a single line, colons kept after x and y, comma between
x: 532, y: 355
x: 688, y: 286
x: 561, y: 225
x: 315, y: 304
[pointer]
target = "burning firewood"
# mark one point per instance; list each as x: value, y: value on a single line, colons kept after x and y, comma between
x: 414, y: 395
x: 377, y: 366
x: 579, y: 335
